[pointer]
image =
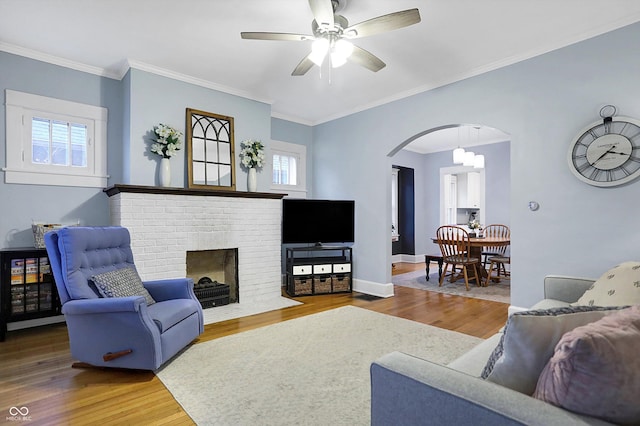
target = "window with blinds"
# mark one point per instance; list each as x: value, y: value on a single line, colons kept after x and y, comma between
x: 284, y: 169
x: 55, y: 142
x: 288, y: 168
x: 58, y: 142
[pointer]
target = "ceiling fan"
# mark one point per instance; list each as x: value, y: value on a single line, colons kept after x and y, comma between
x: 332, y: 32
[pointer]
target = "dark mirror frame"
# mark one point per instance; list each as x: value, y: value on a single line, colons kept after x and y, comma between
x: 210, y: 150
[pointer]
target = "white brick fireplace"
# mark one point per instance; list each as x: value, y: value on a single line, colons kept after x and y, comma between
x: 165, y: 223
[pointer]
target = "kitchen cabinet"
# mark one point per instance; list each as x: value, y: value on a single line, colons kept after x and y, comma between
x: 468, y: 190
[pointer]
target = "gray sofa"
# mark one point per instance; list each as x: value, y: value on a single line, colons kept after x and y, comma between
x: 406, y: 390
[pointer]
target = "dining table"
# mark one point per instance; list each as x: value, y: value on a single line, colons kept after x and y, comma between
x: 476, y: 245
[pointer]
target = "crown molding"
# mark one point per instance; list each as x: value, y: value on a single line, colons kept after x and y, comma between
x: 56, y: 60
x: 130, y: 63
x: 281, y: 116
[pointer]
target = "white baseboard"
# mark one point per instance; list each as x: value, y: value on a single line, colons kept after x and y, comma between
x: 372, y: 288
x: 407, y: 258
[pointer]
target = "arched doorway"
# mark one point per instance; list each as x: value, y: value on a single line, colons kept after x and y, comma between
x: 429, y: 154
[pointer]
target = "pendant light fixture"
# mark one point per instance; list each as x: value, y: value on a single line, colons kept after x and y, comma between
x: 469, y: 158
x: 458, y: 153
x: 478, y: 160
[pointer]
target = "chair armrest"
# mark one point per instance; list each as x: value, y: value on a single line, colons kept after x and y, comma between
x: 174, y: 288
x: 103, y: 305
x: 406, y: 390
x: 565, y: 288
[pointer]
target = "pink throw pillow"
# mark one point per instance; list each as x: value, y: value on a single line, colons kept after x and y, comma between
x: 595, y: 369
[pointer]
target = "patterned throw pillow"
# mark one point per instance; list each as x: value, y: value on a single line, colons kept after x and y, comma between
x: 618, y: 286
x: 121, y: 283
x: 529, y: 340
x: 594, y: 369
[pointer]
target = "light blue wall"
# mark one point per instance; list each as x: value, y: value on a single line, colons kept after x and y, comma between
x: 288, y: 131
x: 542, y: 103
x: 156, y: 99
x: 56, y: 204
x: 427, y: 188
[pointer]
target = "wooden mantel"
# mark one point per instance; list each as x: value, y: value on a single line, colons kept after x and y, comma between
x: 120, y: 188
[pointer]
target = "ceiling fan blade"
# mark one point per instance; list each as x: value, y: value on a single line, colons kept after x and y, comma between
x: 366, y: 59
x: 383, y: 23
x: 275, y: 36
x: 322, y: 12
x: 304, y: 66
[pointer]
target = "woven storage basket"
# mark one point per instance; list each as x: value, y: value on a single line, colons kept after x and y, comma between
x: 341, y: 283
x: 39, y: 229
x: 302, y: 286
x: 322, y: 284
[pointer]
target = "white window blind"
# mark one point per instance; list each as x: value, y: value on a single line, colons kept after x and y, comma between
x: 288, y: 168
x: 58, y: 143
x: 284, y: 169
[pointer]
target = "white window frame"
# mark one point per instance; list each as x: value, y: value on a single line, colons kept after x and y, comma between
x: 21, y: 108
x: 300, y: 153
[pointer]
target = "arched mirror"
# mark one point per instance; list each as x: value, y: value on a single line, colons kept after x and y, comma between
x: 210, y: 150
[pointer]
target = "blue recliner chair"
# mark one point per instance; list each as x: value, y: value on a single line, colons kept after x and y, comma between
x: 123, y: 332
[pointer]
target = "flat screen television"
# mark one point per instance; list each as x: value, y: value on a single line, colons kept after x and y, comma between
x: 317, y: 221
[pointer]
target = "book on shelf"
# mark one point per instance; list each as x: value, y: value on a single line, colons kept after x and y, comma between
x: 17, y: 271
x: 45, y: 268
x: 31, y: 270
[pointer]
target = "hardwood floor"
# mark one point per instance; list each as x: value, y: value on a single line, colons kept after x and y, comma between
x: 35, y: 364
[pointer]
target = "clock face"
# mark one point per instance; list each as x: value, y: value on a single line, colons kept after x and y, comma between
x: 607, y: 153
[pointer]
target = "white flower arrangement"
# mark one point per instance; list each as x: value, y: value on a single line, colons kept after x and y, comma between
x: 474, y: 224
x: 252, y: 154
x: 168, y: 141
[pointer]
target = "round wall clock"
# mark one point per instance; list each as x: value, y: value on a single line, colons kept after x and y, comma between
x: 607, y: 153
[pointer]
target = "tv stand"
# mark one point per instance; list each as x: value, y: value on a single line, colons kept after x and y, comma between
x: 318, y: 270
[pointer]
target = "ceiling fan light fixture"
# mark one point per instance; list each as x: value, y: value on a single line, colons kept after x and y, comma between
x: 344, y: 48
x: 319, y: 49
x: 337, y: 60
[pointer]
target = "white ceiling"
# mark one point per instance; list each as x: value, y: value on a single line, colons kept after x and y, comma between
x: 199, y: 41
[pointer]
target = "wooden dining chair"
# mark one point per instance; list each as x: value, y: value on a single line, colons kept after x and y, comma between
x: 496, y: 254
x: 495, y: 231
x: 455, y: 249
x: 498, y: 261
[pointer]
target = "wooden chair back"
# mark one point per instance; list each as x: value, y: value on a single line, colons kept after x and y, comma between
x: 496, y: 231
x: 453, y: 242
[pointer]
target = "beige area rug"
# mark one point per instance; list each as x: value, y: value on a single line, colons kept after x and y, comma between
x: 312, y: 370
x: 498, y: 292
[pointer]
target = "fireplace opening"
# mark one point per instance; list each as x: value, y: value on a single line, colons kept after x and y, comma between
x: 215, y: 276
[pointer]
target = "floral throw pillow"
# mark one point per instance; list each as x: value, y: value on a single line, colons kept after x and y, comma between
x: 122, y: 282
x: 617, y: 287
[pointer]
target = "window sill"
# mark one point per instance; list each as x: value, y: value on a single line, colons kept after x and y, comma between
x: 40, y: 178
x: 289, y: 190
